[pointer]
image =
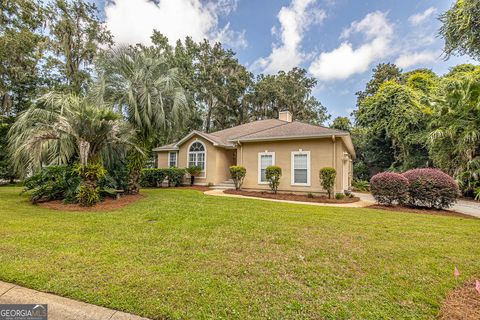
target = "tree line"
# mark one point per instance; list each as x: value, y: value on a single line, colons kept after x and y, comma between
x: 63, y: 46
x: 418, y: 119
x: 402, y: 119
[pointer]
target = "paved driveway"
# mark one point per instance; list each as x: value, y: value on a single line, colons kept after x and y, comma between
x: 467, y: 207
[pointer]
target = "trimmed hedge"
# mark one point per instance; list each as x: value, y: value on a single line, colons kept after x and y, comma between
x: 155, y: 177
x: 388, y: 188
x: 175, y: 176
x: 431, y: 188
x: 273, y: 174
x: 238, y: 173
x: 327, y: 179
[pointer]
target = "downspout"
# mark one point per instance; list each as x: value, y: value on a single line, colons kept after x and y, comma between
x: 334, y: 160
x: 241, y: 154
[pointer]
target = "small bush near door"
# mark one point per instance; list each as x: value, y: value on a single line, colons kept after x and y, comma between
x: 327, y: 179
x: 238, y: 173
x: 388, y: 188
x: 273, y: 174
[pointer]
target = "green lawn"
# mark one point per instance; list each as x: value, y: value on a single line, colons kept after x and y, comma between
x: 180, y: 254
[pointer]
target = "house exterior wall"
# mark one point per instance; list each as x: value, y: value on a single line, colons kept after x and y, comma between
x: 162, y: 159
x: 322, y: 153
x: 218, y: 161
x: 225, y: 159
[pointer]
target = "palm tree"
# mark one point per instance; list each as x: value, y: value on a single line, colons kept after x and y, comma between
x: 139, y: 83
x: 64, y: 127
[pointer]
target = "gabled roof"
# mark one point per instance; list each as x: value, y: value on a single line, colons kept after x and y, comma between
x: 291, y: 130
x: 265, y: 130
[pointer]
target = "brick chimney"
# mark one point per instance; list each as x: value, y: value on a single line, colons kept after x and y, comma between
x: 285, y: 116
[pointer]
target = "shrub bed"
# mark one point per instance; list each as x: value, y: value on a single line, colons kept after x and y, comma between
x: 388, y: 188
x: 431, y: 188
x: 154, y: 177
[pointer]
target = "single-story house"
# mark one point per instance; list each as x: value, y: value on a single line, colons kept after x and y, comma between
x: 300, y: 149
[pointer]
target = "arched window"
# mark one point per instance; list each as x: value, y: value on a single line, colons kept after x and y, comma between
x: 196, y: 155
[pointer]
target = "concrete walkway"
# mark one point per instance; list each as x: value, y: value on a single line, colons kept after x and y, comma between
x: 467, y: 207
x: 60, y: 308
x: 358, y: 204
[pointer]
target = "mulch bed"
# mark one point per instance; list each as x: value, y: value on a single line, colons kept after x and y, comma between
x: 462, y: 304
x: 199, y: 188
x: 291, y: 196
x: 422, y: 211
x: 108, y: 204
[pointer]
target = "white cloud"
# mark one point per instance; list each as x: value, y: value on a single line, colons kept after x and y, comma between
x: 346, y: 60
x: 418, y: 18
x: 294, y: 21
x: 133, y: 21
x: 410, y: 59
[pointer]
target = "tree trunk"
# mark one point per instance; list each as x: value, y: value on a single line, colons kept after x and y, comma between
x: 192, y: 180
x: 136, y: 162
x: 208, y: 119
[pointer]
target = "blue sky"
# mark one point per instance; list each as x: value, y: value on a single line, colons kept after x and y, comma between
x: 337, y: 41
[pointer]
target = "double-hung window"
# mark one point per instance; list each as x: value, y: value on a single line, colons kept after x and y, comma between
x: 300, y: 168
x: 265, y: 159
x: 172, y: 159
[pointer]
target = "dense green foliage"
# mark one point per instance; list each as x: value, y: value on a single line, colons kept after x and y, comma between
x: 360, y: 185
x: 154, y: 177
x: 88, y: 192
x: 389, y: 188
x: 461, y: 29
x: 63, y: 183
x: 210, y: 257
x: 341, y: 123
x: 46, y: 45
x: 139, y: 83
x: 223, y: 92
x: 273, y: 175
x: 403, y: 120
x: 237, y: 173
x: 421, y: 120
x: 327, y: 179
x: 66, y: 127
x: 52, y: 183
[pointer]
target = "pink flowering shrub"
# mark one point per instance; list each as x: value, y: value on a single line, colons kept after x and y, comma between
x: 431, y: 188
x: 388, y: 188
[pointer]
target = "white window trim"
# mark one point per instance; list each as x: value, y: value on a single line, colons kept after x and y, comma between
x: 260, y: 154
x: 204, y: 172
x: 292, y: 170
x: 176, y: 158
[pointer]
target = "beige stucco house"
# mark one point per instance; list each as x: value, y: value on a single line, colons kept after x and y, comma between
x: 300, y: 149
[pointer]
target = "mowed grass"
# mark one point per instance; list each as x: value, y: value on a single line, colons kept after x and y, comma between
x: 180, y: 254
